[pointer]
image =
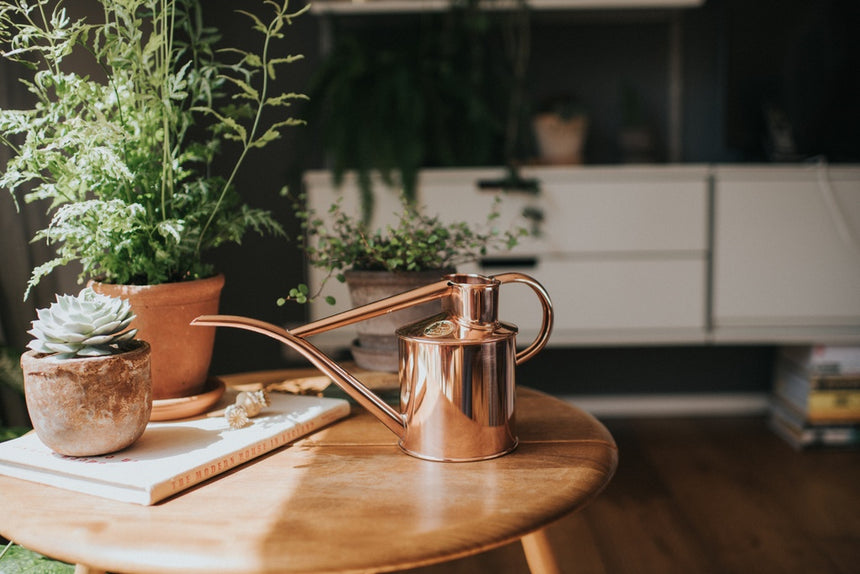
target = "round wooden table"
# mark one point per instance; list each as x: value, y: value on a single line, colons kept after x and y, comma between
x: 344, y: 499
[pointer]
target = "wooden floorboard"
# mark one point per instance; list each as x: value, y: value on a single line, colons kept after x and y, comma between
x: 706, y: 495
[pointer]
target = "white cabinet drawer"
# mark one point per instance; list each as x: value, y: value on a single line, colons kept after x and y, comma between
x: 786, y: 247
x: 642, y: 211
x: 595, y: 210
x: 588, y: 209
x: 609, y: 300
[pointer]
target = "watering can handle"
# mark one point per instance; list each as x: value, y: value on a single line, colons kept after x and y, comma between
x: 546, y: 321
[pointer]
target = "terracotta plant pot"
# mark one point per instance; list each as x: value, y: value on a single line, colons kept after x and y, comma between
x: 181, y: 354
x: 560, y: 140
x: 88, y: 406
x: 376, y: 347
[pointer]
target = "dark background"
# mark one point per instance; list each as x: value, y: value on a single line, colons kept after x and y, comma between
x: 737, y: 56
x: 798, y: 56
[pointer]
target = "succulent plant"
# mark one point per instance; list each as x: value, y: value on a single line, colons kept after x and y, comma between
x: 87, y: 325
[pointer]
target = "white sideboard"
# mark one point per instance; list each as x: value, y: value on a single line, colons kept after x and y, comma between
x: 678, y: 254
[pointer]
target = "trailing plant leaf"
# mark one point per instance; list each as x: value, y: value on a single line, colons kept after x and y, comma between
x: 448, y: 95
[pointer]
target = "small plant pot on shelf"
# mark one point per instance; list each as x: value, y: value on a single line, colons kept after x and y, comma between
x: 89, y: 406
x: 560, y: 140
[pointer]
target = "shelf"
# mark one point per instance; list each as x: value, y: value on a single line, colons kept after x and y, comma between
x: 403, y: 6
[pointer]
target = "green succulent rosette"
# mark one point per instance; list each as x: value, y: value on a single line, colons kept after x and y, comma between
x: 87, y: 325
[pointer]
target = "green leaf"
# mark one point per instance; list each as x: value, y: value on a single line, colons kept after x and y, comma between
x: 20, y: 560
x: 270, y: 134
x: 258, y: 24
x: 229, y: 123
x: 287, y: 60
x: 8, y: 433
x: 285, y: 99
x: 247, y: 91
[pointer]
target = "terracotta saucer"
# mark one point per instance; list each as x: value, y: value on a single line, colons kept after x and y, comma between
x: 184, y: 407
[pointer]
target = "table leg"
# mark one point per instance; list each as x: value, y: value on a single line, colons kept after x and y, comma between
x: 81, y: 569
x: 539, y: 553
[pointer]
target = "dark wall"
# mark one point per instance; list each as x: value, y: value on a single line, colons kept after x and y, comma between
x: 262, y: 269
x: 797, y: 61
x: 734, y: 54
x: 737, y: 56
x: 643, y: 370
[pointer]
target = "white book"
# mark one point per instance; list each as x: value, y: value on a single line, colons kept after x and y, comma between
x: 171, y: 456
x: 824, y: 359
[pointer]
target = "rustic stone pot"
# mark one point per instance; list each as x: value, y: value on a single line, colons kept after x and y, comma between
x: 181, y: 354
x: 88, y: 406
x: 376, y: 347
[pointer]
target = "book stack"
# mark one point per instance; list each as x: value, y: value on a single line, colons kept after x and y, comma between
x: 816, y: 396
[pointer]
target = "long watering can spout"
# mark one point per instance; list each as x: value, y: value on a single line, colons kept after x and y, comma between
x: 352, y: 386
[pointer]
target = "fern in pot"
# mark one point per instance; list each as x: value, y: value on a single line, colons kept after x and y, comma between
x: 125, y: 162
x: 416, y: 250
x: 87, y: 380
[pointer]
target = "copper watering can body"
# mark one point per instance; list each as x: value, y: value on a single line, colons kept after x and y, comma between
x: 456, y: 368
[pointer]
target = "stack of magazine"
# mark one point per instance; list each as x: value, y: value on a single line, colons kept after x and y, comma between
x: 816, y: 396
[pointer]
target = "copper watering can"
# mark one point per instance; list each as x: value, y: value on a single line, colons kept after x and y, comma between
x: 456, y: 368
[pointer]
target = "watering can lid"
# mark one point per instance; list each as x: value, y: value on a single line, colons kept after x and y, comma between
x: 444, y: 328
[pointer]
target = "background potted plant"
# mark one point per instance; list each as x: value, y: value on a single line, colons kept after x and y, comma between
x: 444, y: 90
x: 560, y: 128
x: 377, y: 263
x: 87, y: 380
x: 126, y: 158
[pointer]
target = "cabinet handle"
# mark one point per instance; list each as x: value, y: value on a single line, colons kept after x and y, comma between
x: 508, y: 262
x: 529, y: 186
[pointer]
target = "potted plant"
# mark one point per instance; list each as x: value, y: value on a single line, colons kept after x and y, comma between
x: 87, y: 380
x: 445, y: 90
x: 378, y: 263
x: 560, y: 128
x: 126, y: 159
x: 636, y: 142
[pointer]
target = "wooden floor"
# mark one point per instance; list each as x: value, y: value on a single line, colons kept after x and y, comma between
x: 720, y: 495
